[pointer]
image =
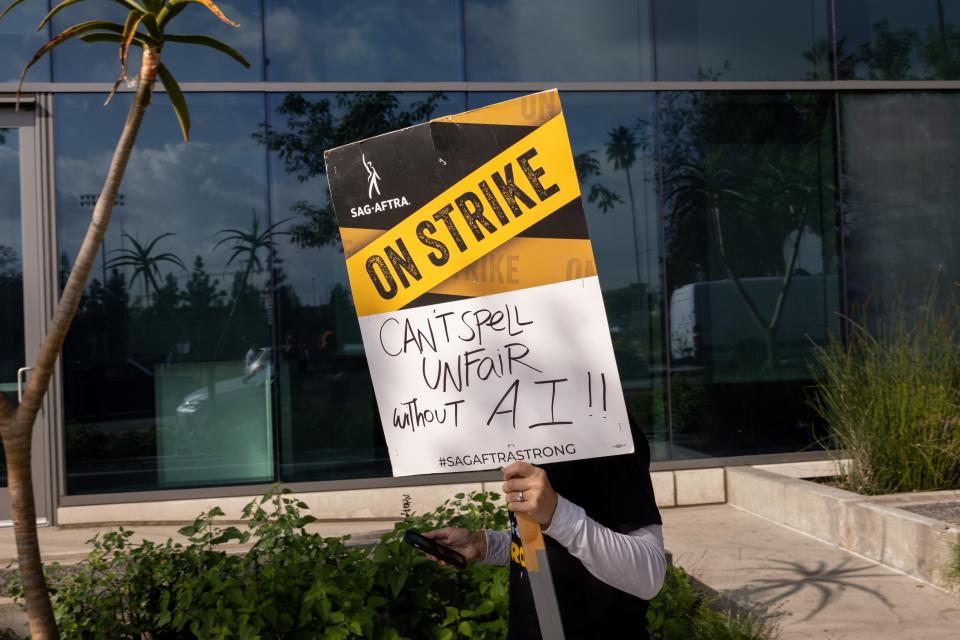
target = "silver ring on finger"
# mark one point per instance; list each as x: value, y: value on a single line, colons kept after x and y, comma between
x: 519, y: 496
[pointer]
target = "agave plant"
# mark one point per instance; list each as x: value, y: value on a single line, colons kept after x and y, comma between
x: 247, y: 245
x: 146, y: 27
x: 145, y: 263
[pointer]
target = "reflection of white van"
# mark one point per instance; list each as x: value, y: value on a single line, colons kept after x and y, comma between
x: 711, y: 319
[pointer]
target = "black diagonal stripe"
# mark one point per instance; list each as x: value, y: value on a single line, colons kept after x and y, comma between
x: 415, y: 163
x: 429, y: 299
x: 568, y: 222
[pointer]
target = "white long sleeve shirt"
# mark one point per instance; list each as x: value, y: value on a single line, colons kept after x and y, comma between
x: 633, y: 562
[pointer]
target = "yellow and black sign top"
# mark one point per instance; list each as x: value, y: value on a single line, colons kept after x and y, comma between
x: 482, y: 202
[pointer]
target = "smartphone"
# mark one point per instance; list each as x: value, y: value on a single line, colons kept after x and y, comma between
x: 434, y: 548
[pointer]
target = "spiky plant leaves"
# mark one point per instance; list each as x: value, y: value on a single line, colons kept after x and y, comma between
x: 212, y: 43
x: 144, y: 27
x: 177, y: 101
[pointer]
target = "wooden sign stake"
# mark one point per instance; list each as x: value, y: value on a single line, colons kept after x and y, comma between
x: 541, y: 582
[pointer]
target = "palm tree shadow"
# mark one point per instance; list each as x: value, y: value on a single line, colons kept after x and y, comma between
x: 829, y: 581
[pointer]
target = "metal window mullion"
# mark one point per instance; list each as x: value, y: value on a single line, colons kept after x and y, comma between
x: 334, y: 87
x: 50, y: 292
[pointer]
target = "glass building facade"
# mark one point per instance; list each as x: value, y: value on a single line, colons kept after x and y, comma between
x: 751, y: 170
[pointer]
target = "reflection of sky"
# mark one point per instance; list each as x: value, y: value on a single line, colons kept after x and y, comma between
x: 761, y: 39
x: 18, y: 41
x: 369, y: 41
x: 547, y: 40
x: 589, y: 118
x: 314, y: 271
x: 10, y: 192
x: 76, y: 61
x: 195, y: 189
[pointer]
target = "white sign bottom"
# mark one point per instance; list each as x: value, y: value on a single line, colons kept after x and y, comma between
x: 481, y: 383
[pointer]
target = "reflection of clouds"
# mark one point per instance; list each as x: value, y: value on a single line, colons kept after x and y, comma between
x: 18, y: 41
x: 193, y: 190
x: 82, y: 62
x: 193, y: 63
x: 312, y: 271
x: 567, y: 41
x: 372, y: 41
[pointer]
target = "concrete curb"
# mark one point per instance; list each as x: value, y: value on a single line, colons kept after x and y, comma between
x: 872, y: 527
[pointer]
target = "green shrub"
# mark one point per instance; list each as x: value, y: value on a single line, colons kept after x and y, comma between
x: 296, y: 585
x: 891, y: 400
x: 292, y: 584
x: 682, y: 612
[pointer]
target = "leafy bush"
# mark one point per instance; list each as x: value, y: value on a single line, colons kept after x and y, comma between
x: 891, y: 400
x: 297, y: 585
x: 682, y: 612
x: 292, y: 584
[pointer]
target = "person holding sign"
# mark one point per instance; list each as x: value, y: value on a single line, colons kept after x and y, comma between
x: 603, y: 539
x: 469, y: 259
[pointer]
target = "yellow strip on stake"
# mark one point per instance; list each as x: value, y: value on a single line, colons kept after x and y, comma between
x: 519, y: 187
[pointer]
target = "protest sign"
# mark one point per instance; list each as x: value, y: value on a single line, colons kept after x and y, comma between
x: 475, y: 287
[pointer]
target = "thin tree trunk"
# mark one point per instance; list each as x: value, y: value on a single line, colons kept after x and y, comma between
x: 17, y: 432
x: 633, y: 218
x: 233, y: 309
x: 787, y: 278
x: 721, y: 250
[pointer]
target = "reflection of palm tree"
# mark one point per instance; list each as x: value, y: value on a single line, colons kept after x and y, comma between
x: 622, y: 153
x: 709, y: 188
x: 146, y: 264
x: 588, y: 167
x: 248, y: 244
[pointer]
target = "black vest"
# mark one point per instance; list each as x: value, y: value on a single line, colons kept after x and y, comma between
x: 616, y: 492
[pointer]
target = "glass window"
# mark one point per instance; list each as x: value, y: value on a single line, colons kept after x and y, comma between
x: 891, y: 40
x: 613, y: 146
x: 330, y: 427
x: 12, y: 355
x: 169, y: 368
x: 558, y: 40
x: 743, y: 40
x: 901, y: 174
x: 613, y: 143
x: 751, y: 265
x: 76, y: 61
x: 19, y: 40
x: 371, y: 41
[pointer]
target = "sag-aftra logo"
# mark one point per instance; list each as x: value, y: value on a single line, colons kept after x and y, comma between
x: 373, y: 184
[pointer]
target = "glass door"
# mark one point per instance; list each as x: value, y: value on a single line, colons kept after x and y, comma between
x: 17, y: 271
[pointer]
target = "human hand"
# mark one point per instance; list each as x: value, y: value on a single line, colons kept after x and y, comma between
x: 472, y: 545
x: 528, y: 491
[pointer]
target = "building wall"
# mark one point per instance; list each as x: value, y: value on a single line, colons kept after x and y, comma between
x: 722, y: 147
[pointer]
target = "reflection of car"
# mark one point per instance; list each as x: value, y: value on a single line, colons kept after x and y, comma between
x: 711, y: 319
x: 256, y: 370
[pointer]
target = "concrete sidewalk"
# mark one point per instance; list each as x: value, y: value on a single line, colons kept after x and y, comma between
x: 813, y: 590
x: 69, y: 544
